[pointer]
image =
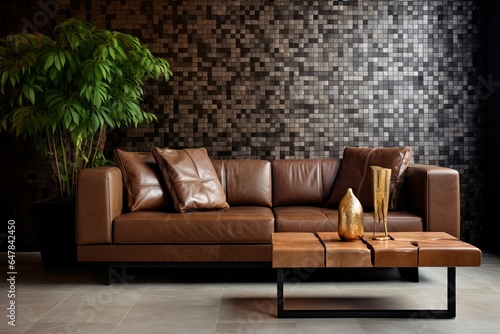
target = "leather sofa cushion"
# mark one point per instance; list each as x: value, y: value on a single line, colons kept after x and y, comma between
x: 355, y: 173
x: 244, y: 224
x: 142, y: 180
x: 191, y: 179
x: 318, y: 219
x: 305, y: 219
x: 303, y: 181
x: 245, y: 182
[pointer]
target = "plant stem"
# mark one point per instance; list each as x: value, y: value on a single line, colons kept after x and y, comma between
x: 96, y: 146
x: 66, y: 187
x: 55, y: 162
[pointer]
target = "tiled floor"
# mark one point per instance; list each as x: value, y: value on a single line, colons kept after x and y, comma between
x: 240, y: 300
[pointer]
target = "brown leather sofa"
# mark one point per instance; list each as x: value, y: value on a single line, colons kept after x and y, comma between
x: 263, y: 197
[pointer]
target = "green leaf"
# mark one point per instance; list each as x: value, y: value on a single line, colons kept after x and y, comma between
x: 103, y: 71
x: 54, y: 101
x: 5, y: 76
x: 49, y: 62
x: 96, y: 122
x: 53, y: 73
x: 32, y: 96
x: 112, y: 52
x: 75, y: 116
x: 67, y: 119
x: 97, y: 73
x: 62, y: 58
x: 57, y: 62
x: 14, y: 79
x: 104, y: 53
x: 70, y: 85
x: 96, y: 99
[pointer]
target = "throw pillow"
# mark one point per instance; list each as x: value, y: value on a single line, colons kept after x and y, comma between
x: 191, y: 179
x: 355, y: 173
x: 141, y: 178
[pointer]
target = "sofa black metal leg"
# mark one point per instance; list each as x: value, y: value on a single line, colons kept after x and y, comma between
x: 114, y: 275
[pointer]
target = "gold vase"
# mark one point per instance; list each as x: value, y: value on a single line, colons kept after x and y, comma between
x: 351, y: 221
x: 381, y: 184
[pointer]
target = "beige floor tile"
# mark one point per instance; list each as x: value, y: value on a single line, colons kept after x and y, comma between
x: 482, y: 326
x: 249, y: 310
x: 412, y: 326
x: 99, y: 296
x: 176, y: 312
x: 328, y: 326
x: 257, y: 290
x: 257, y: 327
x: 18, y: 328
x: 195, y: 297
x: 86, y: 311
x: 183, y: 288
x: 165, y: 326
x: 216, y: 301
x: 63, y: 328
x: 478, y: 304
x: 312, y: 296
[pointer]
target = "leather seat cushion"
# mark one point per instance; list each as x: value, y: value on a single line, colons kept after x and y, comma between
x: 245, y: 224
x: 305, y: 219
x: 318, y: 219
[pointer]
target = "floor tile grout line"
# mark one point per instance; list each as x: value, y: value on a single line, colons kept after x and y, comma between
x: 466, y: 322
x: 131, y: 306
x: 62, y: 301
x: 220, y: 304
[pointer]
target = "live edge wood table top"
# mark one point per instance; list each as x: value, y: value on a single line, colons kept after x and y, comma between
x: 404, y: 249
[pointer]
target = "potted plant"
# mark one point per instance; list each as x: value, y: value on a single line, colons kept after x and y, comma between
x: 62, y: 92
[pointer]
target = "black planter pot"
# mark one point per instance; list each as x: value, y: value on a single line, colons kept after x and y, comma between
x: 56, y: 232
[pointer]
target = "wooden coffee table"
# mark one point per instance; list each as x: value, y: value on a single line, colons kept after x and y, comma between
x: 405, y: 249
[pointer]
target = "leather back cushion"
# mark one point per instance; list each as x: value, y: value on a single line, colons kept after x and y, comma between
x: 142, y: 180
x: 191, y: 179
x: 303, y: 181
x: 245, y: 182
x: 355, y: 173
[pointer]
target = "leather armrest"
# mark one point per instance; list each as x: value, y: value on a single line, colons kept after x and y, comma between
x: 434, y: 193
x: 99, y: 202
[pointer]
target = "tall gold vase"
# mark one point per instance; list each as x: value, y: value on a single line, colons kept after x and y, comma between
x: 351, y: 221
x: 381, y: 184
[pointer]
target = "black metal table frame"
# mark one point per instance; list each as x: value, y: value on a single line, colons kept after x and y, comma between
x: 450, y: 312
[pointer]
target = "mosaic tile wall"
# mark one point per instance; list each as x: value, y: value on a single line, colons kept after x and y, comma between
x: 283, y: 79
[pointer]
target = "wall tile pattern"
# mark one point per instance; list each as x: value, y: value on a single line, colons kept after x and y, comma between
x: 284, y: 79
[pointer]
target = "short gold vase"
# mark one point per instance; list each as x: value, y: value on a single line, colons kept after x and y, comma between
x: 351, y: 221
x: 381, y: 184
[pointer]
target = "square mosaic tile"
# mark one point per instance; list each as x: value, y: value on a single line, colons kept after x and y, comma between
x: 285, y: 79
